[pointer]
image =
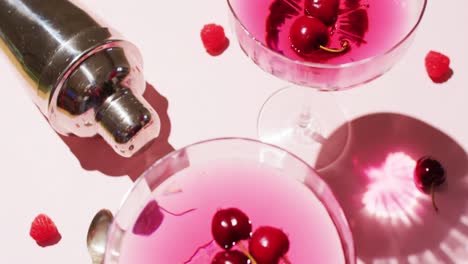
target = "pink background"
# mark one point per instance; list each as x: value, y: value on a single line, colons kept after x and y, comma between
x: 207, y: 97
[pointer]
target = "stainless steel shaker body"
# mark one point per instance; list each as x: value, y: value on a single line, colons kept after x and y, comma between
x: 84, y: 77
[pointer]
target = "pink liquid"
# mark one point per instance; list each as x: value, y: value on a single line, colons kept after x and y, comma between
x: 372, y: 27
x: 263, y: 193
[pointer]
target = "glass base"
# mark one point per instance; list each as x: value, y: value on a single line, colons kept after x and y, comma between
x: 301, y: 120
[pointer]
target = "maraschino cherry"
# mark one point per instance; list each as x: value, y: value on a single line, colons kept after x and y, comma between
x: 429, y: 174
x: 230, y: 257
x: 308, y: 34
x: 229, y: 226
x: 268, y: 245
x: 324, y: 10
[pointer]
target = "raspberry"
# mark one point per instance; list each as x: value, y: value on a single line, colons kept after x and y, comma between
x: 44, y: 231
x: 214, y: 40
x: 438, y: 67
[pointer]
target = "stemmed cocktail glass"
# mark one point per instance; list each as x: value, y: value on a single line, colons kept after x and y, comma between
x: 365, y: 39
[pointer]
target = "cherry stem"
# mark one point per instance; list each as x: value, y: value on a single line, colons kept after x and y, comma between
x: 204, y: 246
x: 346, y: 11
x: 433, y: 197
x: 178, y: 214
x: 246, y: 252
x: 344, y: 46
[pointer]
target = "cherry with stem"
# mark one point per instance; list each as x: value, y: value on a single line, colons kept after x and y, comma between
x: 429, y: 174
x: 309, y: 34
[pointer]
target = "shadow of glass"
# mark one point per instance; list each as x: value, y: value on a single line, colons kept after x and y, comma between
x: 94, y: 154
x: 391, y: 221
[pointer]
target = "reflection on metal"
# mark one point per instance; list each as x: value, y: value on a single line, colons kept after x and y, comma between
x: 85, y: 78
x: 27, y: 12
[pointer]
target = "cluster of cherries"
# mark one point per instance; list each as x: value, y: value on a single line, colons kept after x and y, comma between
x: 310, y: 32
x: 267, y: 244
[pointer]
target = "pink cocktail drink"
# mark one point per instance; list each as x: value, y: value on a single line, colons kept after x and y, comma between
x: 172, y: 222
x: 377, y: 32
x: 371, y: 26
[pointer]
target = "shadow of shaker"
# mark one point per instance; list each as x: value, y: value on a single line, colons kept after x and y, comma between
x: 391, y: 221
x: 94, y: 153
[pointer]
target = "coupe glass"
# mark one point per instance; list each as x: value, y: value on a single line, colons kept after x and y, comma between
x: 301, y: 116
x: 166, y: 216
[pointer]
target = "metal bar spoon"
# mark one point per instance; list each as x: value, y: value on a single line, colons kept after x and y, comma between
x: 97, y: 235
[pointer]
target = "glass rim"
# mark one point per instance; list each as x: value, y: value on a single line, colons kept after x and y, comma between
x: 341, y: 226
x: 329, y: 65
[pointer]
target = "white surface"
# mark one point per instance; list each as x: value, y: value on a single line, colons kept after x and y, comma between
x: 208, y: 97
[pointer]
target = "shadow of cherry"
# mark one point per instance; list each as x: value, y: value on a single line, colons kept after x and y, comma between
x: 390, y: 219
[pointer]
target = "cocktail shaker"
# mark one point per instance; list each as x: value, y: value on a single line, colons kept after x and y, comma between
x: 85, y: 78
